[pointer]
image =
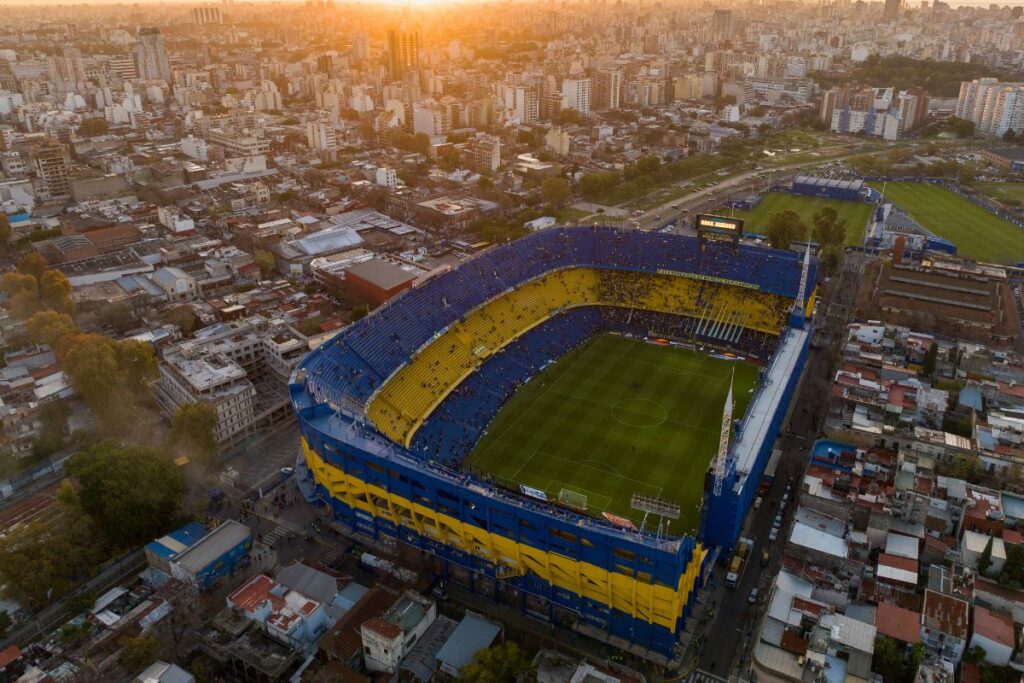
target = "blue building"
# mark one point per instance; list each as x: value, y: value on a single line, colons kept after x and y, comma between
x: 829, y: 188
x: 198, y: 556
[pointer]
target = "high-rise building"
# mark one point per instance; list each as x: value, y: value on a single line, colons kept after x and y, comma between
x: 892, y: 10
x: 206, y: 15
x: 150, y: 55
x: 576, y: 92
x: 527, y: 104
x: 721, y: 24
x: 607, y: 90
x: 993, y: 107
x: 486, y: 151
x: 52, y: 168
x: 403, y: 52
x: 321, y: 137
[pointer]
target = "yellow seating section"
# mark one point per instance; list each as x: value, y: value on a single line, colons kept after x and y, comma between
x: 412, y: 393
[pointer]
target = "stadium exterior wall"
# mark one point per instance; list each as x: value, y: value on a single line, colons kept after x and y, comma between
x: 587, y: 569
x: 723, y: 516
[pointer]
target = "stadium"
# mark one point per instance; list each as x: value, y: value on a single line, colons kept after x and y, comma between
x: 395, y: 415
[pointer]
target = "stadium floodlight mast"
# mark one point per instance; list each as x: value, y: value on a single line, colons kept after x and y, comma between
x: 651, y: 505
x: 723, y: 440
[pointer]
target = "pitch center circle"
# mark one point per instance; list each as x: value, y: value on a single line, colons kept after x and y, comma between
x: 642, y: 413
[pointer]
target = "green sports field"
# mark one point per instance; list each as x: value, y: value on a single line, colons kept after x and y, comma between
x: 977, y: 233
x: 616, y: 417
x: 856, y: 214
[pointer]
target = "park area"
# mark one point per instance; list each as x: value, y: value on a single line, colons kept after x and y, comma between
x: 977, y: 233
x: 856, y: 214
x: 616, y: 417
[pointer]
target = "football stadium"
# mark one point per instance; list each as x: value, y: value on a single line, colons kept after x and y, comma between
x: 573, y: 423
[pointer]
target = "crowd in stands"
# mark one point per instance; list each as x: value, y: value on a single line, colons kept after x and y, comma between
x: 450, y: 335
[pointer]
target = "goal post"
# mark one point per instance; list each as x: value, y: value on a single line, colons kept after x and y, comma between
x: 572, y: 499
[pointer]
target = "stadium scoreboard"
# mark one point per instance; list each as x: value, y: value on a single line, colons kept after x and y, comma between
x: 719, y: 228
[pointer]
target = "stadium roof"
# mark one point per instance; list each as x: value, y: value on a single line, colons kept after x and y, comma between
x: 328, y: 241
x: 829, y: 182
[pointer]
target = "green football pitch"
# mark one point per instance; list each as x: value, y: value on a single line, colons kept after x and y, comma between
x: 856, y: 214
x: 615, y: 417
x: 977, y: 233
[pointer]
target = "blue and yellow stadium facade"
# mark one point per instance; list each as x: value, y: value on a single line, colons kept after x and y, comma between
x: 361, y: 398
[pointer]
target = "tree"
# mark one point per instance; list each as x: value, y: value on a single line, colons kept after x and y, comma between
x: 265, y: 261
x: 93, y: 127
x: 193, y: 428
x: 41, y: 561
x: 985, y: 559
x: 784, y: 228
x: 139, y: 366
x: 360, y: 312
x: 499, y: 664
x: 50, y: 327
x: 555, y: 191
x: 5, y: 233
x: 110, y: 375
x: 55, y: 291
x: 1012, y: 574
x: 888, y: 658
x: 132, y: 493
x: 54, y: 419
x: 830, y: 258
x: 930, y: 359
x: 32, y: 264
x: 139, y: 652
x: 828, y: 228
x: 15, y: 283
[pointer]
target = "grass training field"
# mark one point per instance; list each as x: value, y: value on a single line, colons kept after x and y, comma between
x: 977, y: 233
x: 617, y: 416
x: 855, y: 213
x: 1008, y: 193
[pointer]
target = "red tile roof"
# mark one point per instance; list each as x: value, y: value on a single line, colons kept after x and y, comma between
x: 993, y: 625
x: 791, y: 642
x: 899, y: 623
x: 904, y: 563
x: 9, y: 655
x: 253, y: 594
x: 383, y: 627
x: 945, y: 614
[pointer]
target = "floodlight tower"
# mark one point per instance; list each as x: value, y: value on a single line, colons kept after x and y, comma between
x: 723, y: 441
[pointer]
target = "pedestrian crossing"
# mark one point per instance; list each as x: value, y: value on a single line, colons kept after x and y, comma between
x: 331, y: 555
x: 275, y: 535
x: 699, y: 676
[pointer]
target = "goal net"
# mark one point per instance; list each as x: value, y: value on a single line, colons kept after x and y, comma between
x: 577, y: 501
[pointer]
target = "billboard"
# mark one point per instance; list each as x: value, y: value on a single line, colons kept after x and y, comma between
x: 718, y: 227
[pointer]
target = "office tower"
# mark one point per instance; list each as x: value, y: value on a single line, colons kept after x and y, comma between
x: 607, y: 89
x: 721, y: 24
x: 576, y: 92
x: 151, y: 56
x: 892, y: 10
x: 206, y: 15
x: 403, y: 52
x: 52, y: 168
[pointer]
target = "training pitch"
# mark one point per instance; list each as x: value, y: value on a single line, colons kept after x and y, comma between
x: 856, y: 214
x: 978, y: 234
x: 615, y: 417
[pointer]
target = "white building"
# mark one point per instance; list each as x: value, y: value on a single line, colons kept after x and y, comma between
x: 321, y: 136
x: 576, y: 92
x: 194, y: 147
x: 388, y: 638
x: 173, y: 220
x: 387, y: 177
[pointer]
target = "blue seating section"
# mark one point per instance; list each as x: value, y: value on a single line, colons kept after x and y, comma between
x: 360, y: 358
x: 452, y: 430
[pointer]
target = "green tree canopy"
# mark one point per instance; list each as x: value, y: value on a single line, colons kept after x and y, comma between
x: 264, y: 260
x: 193, y: 431
x: 555, y: 191
x: 111, y: 376
x: 49, y: 327
x: 985, y: 559
x: 32, y: 264
x: 132, y: 493
x: 55, y: 291
x: 499, y: 664
x: 784, y: 228
x: 829, y: 229
x: 5, y: 233
x: 41, y: 561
